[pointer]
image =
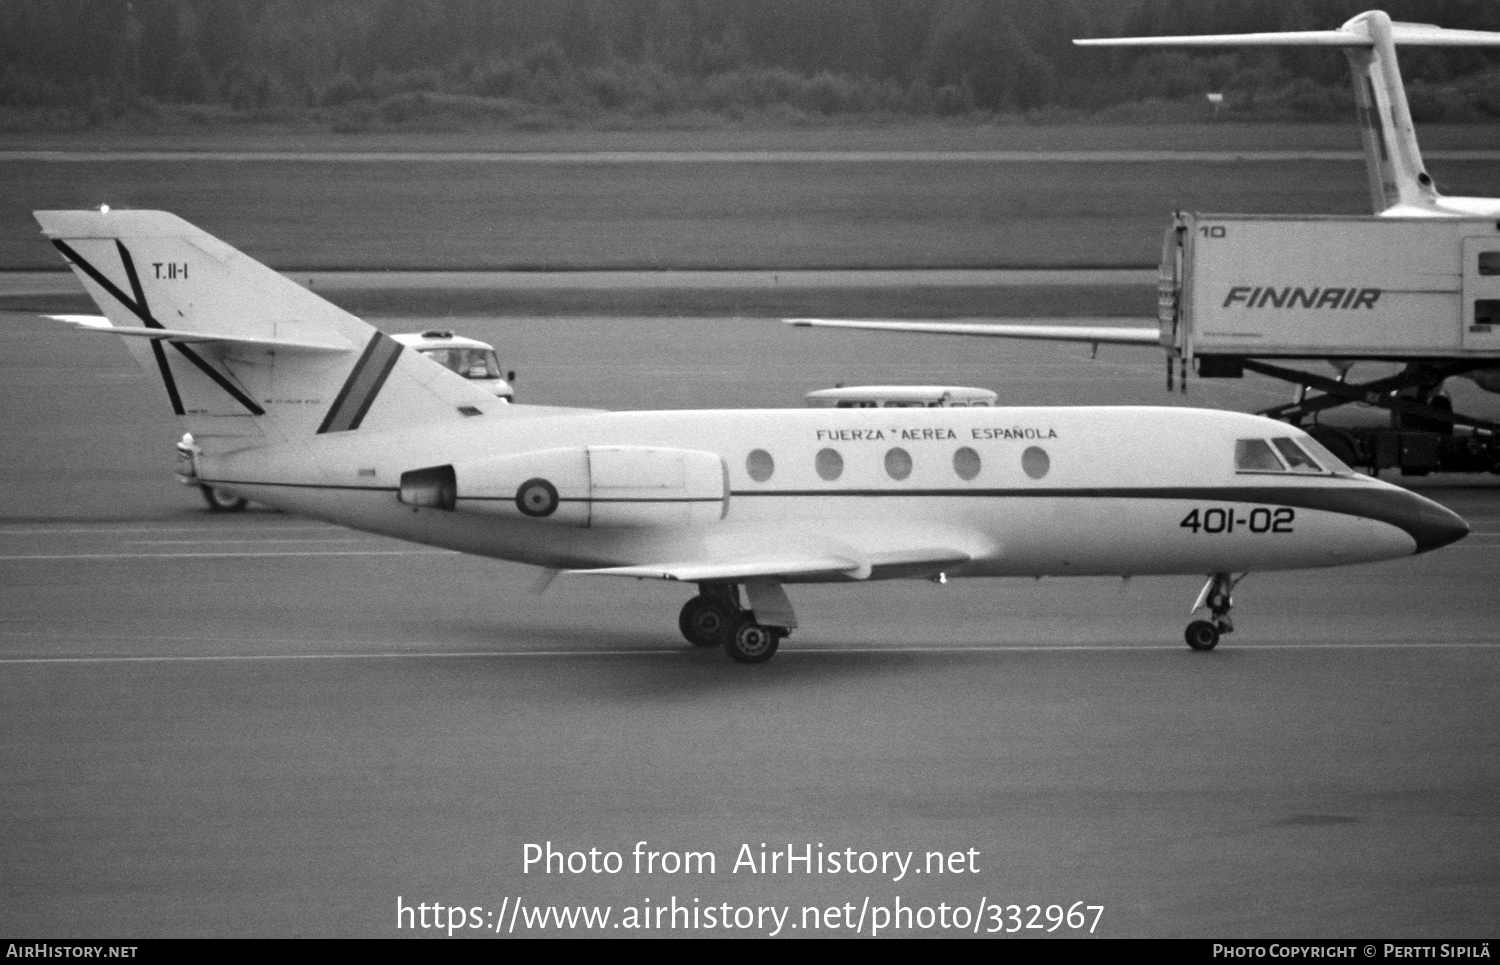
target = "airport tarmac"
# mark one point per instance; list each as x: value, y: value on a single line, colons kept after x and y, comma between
x: 263, y: 725
x: 717, y: 157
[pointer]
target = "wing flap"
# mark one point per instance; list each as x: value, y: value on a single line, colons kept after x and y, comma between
x: 733, y: 571
x: 916, y: 561
x: 1073, y: 330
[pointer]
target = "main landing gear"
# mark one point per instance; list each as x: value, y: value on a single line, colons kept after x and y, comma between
x: 1217, y: 596
x: 715, y: 617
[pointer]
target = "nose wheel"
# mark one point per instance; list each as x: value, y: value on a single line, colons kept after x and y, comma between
x: 1202, y: 635
x: 1217, y: 596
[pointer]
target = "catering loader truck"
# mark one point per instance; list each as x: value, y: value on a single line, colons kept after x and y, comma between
x: 1267, y: 293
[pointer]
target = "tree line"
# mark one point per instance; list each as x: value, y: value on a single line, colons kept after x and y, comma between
x: 373, y: 63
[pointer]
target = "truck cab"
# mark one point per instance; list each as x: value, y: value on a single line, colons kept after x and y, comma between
x: 473, y: 359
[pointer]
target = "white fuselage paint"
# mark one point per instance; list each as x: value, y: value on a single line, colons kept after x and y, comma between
x: 1119, y: 484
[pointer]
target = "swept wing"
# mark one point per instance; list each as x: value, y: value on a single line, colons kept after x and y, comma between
x: 1093, y: 330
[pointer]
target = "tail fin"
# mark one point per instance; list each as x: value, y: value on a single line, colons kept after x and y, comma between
x: 245, y: 354
x: 1398, y: 178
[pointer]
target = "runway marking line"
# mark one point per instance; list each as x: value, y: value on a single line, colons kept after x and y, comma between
x: 109, y: 530
x: 808, y: 651
x: 214, y: 542
x: 179, y: 556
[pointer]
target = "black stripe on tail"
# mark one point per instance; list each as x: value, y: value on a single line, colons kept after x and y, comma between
x: 362, y: 385
x: 141, y: 310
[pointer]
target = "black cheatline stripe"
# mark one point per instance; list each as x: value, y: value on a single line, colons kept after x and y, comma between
x: 287, y: 485
x: 596, y: 499
x: 1397, y: 507
x: 363, y: 384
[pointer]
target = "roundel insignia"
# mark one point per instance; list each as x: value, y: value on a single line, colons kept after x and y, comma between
x: 536, y: 497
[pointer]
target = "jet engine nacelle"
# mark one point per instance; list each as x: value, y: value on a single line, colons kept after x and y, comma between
x: 595, y: 486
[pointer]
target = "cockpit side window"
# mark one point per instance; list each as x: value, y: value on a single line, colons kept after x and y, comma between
x: 1296, y: 459
x: 1255, y: 455
x: 1330, y: 462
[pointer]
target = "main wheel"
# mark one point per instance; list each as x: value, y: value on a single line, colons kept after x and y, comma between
x: 705, y: 622
x: 222, y: 502
x: 749, y: 642
x: 1202, y: 635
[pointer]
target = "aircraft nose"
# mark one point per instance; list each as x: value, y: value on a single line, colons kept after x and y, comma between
x: 1431, y: 524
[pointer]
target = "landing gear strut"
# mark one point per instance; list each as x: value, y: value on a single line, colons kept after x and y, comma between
x: 1217, y: 596
x: 715, y: 616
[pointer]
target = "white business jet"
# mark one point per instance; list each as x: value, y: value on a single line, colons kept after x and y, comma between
x: 294, y: 403
x: 1400, y: 186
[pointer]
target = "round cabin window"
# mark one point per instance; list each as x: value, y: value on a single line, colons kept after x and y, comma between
x: 760, y: 465
x: 898, y: 464
x: 830, y: 464
x: 1035, y: 462
x: 966, y: 463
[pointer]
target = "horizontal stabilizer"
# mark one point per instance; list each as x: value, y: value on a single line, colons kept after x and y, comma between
x: 1291, y: 38
x: 1080, y: 330
x: 1403, y: 34
x: 98, y: 323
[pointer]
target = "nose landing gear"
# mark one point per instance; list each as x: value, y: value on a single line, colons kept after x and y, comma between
x: 1217, y: 595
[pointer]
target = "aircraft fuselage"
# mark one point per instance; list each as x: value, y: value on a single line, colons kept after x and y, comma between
x: 1001, y: 491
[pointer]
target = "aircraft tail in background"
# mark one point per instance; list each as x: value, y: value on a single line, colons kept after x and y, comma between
x: 1399, y: 182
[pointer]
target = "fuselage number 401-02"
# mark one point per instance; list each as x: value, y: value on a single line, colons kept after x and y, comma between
x: 1262, y: 519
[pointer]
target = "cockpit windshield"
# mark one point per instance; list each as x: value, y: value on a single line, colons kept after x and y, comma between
x: 1296, y: 459
x: 1285, y: 455
x: 1330, y: 462
x: 1256, y: 455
